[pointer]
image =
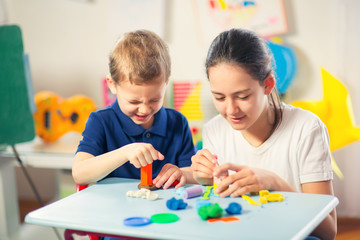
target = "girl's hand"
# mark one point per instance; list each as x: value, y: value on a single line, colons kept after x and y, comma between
x: 167, y: 176
x: 202, y: 166
x: 141, y: 154
x: 245, y: 180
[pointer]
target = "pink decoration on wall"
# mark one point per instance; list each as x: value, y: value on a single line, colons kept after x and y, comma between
x: 108, y: 97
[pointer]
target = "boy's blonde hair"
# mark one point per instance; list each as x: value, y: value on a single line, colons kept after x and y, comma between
x: 140, y: 57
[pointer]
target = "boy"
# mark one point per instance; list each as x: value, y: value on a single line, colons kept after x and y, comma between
x: 136, y: 129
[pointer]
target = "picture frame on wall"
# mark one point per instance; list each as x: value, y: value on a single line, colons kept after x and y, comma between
x: 265, y: 17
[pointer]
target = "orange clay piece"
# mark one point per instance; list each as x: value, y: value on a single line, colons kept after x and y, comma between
x: 223, y: 219
x: 146, y: 178
x: 146, y: 175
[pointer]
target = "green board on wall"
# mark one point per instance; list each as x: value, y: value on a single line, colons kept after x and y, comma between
x: 16, y: 119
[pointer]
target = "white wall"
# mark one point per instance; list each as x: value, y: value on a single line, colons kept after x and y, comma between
x: 69, y: 41
x: 348, y: 71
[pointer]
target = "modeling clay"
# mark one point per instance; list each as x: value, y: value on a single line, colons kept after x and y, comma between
x: 223, y: 219
x: 164, y: 218
x: 247, y: 198
x: 179, y: 191
x: 143, y: 193
x: 207, y: 192
x: 176, y: 182
x: 234, y: 208
x: 266, y: 196
x: 176, y: 204
x: 210, y: 211
x: 218, y: 179
x: 137, y: 221
x: 214, y: 187
x: 146, y: 178
x: 263, y: 193
x: 192, y: 192
x: 202, y: 202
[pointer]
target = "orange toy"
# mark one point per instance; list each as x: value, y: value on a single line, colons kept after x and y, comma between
x: 146, y: 178
x: 56, y: 116
x: 146, y: 175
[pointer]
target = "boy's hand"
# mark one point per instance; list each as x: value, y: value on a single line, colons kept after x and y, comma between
x: 202, y: 166
x: 141, y: 154
x: 167, y: 176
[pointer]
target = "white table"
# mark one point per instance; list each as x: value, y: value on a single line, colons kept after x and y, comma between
x: 102, y: 208
x: 37, y: 154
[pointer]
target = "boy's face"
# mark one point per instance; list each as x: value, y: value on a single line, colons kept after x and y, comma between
x: 140, y: 102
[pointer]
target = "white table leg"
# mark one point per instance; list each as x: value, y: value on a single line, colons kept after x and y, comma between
x: 9, y: 210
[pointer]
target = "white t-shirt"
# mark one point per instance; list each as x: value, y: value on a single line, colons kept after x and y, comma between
x: 298, y: 151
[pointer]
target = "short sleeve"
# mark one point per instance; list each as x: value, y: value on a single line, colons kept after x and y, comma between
x: 314, y: 156
x: 93, y: 141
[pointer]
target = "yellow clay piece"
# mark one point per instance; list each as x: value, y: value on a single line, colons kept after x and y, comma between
x: 263, y: 200
x: 275, y: 198
x: 247, y: 198
x: 266, y: 196
x: 263, y: 192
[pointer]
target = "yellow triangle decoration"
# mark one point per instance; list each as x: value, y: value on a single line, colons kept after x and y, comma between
x: 336, y: 112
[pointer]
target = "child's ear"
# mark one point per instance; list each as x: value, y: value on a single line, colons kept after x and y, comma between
x: 269, y: 84
x: 111, y: 84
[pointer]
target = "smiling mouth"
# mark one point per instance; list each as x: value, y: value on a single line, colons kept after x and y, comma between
x: 237, y: 119
x: 141, y: 118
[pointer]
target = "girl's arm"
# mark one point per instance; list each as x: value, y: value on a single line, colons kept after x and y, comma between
x: 328, y: 227
x: 202, y: 167
x: 252, y: 179
x: 187, y: 171
x: 248, y: 179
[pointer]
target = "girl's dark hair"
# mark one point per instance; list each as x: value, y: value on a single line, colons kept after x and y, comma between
x: 249, y: 51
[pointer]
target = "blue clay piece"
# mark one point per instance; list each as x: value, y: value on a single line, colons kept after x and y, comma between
x: 176, y: 204
x: 179, y: 191
x: 202, y: 202
x: 234, y: 208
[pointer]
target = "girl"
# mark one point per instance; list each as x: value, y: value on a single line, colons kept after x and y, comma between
x: 261, y: 142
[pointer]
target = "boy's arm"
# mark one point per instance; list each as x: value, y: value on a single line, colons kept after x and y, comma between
x: 90, y: 169
x: 172, y: 175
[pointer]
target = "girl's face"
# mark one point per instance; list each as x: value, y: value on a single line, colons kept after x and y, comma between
x: 140, y: 102
x: 239, y: 98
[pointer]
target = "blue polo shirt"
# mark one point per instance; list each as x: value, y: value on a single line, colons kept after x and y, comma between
x: 109, y: 129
